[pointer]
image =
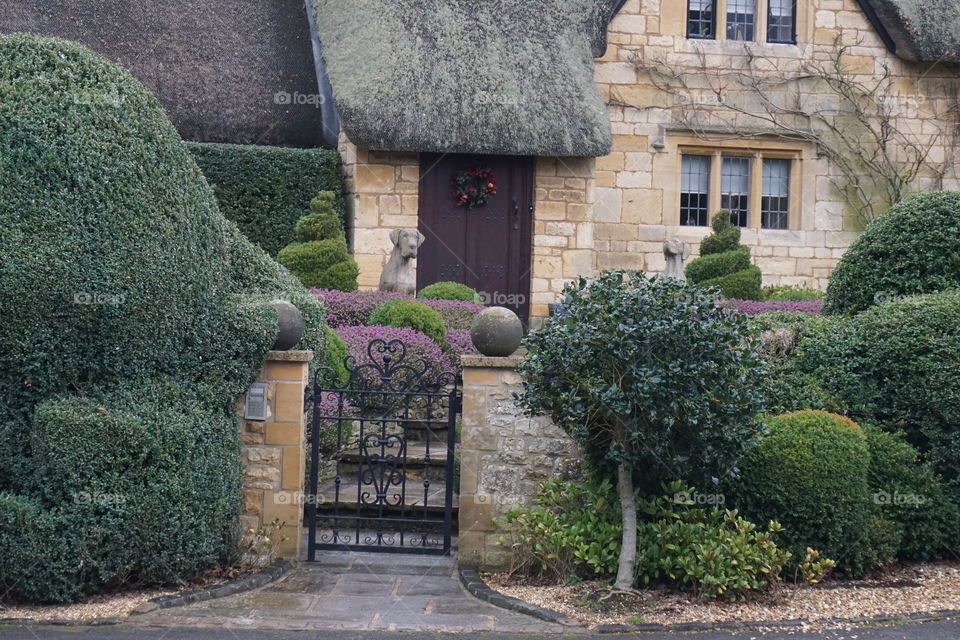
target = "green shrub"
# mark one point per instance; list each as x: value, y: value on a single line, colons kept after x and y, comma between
x: 795, y: 293
x: 810, y: 474
x: 786, y: 388
x: 713, y: 551
x: 122, y: 358
x: 265, y: 190
x: 321, y: 259
x: 449, y: 291
x: 742, y: 285
x: 574, y: 530
x: 911, y: 249
x: 909, y: 494
x: 717, y: 265
x: 336, y: 356
x: 724, y: 263
x: 409, y: 314
x: 895, y: 365
x: 651, y: 378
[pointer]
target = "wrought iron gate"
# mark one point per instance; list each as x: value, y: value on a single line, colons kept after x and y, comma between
x: 387, y: 482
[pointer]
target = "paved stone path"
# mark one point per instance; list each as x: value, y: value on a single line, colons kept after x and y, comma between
x: 358, y: 591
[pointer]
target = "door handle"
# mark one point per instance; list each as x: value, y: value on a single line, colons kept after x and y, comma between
x: 516, y: 213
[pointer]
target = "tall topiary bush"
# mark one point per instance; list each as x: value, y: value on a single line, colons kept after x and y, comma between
x: 652, y: 379
x: 911, y: 249
x: 134, y: 315
x: 809, y: 473
x: 724, y: 263
x: 320, y: 258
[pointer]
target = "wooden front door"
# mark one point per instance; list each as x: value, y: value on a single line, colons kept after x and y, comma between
x: 486, y: 247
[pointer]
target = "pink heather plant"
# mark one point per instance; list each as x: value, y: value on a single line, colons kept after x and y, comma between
x: 350, y: 309
x: 754, y: 308
x: 419, y: 347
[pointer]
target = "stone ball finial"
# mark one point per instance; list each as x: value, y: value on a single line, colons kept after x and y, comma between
x: 675, y: 251
x: 290, y: 323
x: 496, y: 332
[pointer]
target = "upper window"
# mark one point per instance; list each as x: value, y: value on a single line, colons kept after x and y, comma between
x: 782, y: 21
x: 743, y: 20
x: 701, y: 19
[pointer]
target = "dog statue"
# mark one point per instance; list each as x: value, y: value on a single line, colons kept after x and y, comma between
x: 399, y: 275
x: 675, y: 251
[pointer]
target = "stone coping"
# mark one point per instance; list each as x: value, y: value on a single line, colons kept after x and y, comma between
x: 508, y: 362
x: 289, y: 356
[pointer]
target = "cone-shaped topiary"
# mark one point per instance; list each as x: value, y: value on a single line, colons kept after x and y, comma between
x: 133, y: 316
x: 724, y: 263
x: 321, y: 258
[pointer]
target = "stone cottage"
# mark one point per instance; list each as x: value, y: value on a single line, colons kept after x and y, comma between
x: 609, y: 126
x: 604, y: 126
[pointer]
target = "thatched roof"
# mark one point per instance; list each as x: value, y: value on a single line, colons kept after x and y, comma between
x: 510, y: 77
x: 918, y: 30
x: 215, y: 66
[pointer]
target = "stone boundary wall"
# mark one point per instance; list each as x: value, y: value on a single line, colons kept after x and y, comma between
x: 274, y: 452
x: 504, y: 456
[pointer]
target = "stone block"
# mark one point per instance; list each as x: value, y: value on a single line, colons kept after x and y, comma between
x: 292, y: 371
x: 288, y: 433
x: 289, y: 402
x: 293, y: 467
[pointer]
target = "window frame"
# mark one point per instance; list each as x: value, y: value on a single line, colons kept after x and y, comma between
x: 713, y: 21
x: 793, y: 23
x: 762, y: 17
x: 757, y: 155
x: 753, y: 26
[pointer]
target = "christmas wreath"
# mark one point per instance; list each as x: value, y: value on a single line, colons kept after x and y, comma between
x: 474, y: 187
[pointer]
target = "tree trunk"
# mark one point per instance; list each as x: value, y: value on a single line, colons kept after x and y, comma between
x: 628, y: 507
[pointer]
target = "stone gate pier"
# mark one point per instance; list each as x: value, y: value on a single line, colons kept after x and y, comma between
x: 504, y: 456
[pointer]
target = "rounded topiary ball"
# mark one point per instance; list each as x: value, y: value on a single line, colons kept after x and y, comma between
x: 449, y: 291
x: 911, y: 249
x: 809, y: 473
x: 408, y: 314
x: 497, y: 332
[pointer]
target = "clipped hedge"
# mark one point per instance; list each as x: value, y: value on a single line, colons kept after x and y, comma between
x: 411, y: 315
x: 911, y: 249
x: 265, y: 190
x: 809, y: 473
x: 909, y: 493
x: 134, y: 316
x: 740, y: 285
x: 896, y: 365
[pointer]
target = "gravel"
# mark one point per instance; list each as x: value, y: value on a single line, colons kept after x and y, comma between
x: 100, y: 606
x: 918, y: 588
